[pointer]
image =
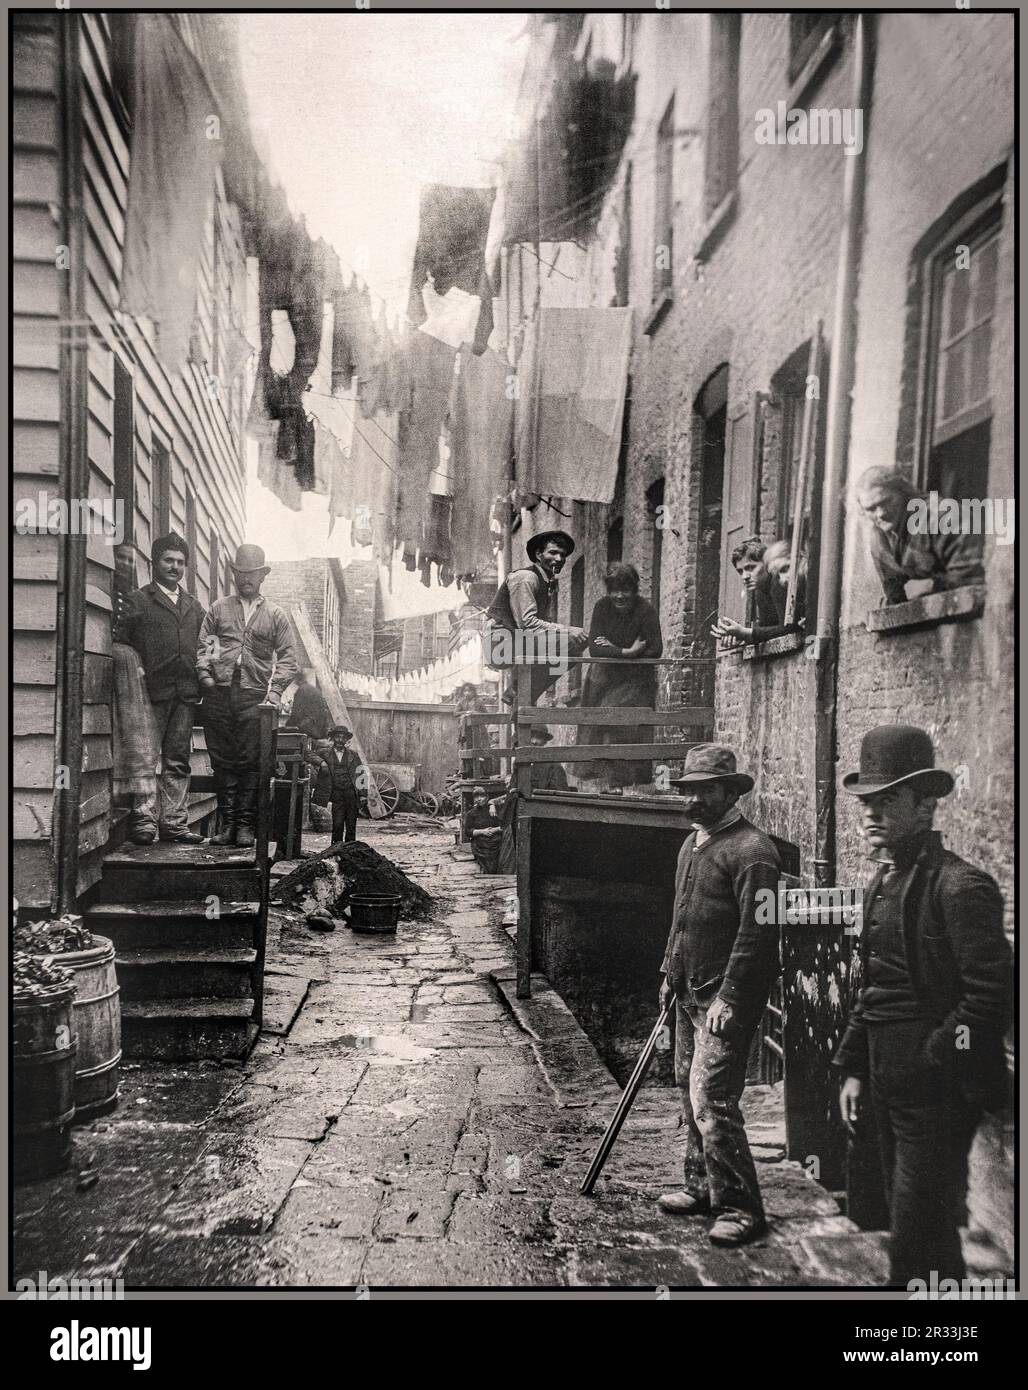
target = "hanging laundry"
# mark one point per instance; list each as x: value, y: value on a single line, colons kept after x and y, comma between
x: 572, y: 376
x: 277, y: 476
x: 430, y: 378
x: 371, y: 493
x: 436, y: 548
x: 481, y: 451
x: 452, y: 228
x: 170, y: 188
x: 329, y: 460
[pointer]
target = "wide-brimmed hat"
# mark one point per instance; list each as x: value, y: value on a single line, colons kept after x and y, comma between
x: 340, y: 729
x: 541, y: 731
x: 711, y: 762
x: 249, y: 559
x: 895, y: 753
x: 535, y: 543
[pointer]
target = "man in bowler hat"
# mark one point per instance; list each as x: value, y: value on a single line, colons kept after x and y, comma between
x: 524, y: 612
x: 338, y: 783
x: 245, y: 656
x: 720, y: 961
x: 924, y: 1045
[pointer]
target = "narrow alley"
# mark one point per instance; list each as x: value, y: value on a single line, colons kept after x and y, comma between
x: 404, y: 1121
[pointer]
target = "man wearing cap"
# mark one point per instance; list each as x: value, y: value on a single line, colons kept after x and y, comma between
x: 161, y: 621
x: 338, y: 782
x: 546, y: 777
x: 924, y: 1045
x: 523, y: 615
x: 245, y: 656
x: 721, y: 958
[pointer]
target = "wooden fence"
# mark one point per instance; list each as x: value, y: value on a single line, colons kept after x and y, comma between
x: 424, y: 735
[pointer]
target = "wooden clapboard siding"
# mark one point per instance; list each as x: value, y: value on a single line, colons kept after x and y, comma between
x: 204, y: 442
x: 35, y: 462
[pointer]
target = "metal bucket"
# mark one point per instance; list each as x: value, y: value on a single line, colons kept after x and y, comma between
x: 374, y: 912
x: 43, y: 1056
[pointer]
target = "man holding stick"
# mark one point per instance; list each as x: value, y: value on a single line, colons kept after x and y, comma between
x: 720, y: 961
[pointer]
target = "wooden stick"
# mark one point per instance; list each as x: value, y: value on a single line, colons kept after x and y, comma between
x: 628, y: 1096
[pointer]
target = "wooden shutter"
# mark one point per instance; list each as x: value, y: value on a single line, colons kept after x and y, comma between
x: 741, y: 441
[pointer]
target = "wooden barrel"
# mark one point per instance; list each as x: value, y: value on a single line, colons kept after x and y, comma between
x: 374, y: 912
x: 96, y: 1022
x: 43, y: 1055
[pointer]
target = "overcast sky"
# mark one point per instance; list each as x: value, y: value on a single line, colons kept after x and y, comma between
x: 357, y: 111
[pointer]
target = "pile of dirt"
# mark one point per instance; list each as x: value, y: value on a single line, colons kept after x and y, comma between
x: 335, y: 874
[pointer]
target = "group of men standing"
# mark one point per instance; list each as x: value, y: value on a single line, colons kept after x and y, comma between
x: 223, y: 663
x: 923, y: 1054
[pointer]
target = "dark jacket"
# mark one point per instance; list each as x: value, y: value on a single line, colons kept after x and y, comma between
x: 337, y: 778
x: 719, y: 945
x: 525, y: 599
x: 960, y: 965
x: 264, y: 647
x: 165, y: 635
x: 948, y: 561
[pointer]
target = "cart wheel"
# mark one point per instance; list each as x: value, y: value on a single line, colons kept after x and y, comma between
x: 430, y: 803
x: 387, y: 790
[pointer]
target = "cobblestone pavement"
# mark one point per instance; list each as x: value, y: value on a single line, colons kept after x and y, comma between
x: 409, y: 1123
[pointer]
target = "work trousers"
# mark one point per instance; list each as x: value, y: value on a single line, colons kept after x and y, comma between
x: 710, y: 1072
x: 925, y: 1130
x: 233, y: 741
x: 164, y: 809
x: 344, y: 816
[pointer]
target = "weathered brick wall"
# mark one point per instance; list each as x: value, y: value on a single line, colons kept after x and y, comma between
x: 357, y: 617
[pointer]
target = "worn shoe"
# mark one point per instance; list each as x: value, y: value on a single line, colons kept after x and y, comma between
x: 143, y: 837
x: 183, y: 837
x: 224, y: 837
x: 245, y: 837
x: 736, y: 1228
x: 684, y: 1203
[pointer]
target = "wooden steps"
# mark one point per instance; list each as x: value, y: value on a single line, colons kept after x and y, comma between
x: 187, y: 922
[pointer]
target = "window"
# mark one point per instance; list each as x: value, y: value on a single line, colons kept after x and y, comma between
x: 664, y: 206
x: 806, y: 30
x: 191, y: 542
x: 721, y: 170
x: 160, y: 496
x: 945, y: 428
x: 797, y: 391
x: 654, y: 506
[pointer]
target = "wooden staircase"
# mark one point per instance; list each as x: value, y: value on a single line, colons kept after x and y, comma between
x: 189, y: 926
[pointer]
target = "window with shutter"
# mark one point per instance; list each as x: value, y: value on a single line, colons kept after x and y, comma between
x: 740, y: 465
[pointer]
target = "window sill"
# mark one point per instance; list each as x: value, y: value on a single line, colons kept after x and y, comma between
x: 717, y: 224
x: 658, y: 312
x: 815, y: 69
x: 968, y: 602
x: 777, y: 646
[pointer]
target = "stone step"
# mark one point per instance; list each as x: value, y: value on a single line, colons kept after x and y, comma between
x: 176, y: 925
x: 139, y: 882
x: 188, y: 1029
x: 190, y: 973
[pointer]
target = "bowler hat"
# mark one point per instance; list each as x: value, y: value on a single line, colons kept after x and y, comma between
x: 340, y: 729
x: 249, y: 559
x: 711, y: 762
x: 894, y: 753
x: 535, y: 543
x: 541, y: 731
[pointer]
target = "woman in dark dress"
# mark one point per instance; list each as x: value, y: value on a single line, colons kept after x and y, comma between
x: 623, y: 625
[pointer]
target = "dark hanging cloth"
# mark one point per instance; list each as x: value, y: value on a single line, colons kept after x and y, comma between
x: 292, y: 278
x: 452, y: 229
x: 437, y: 532
x: 430, y: 377
x: 481, y: 450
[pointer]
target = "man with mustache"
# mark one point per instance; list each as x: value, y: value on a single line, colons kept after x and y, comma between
x: 924, y: 1046
x: 523, y: 615
x: 720, y: 961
